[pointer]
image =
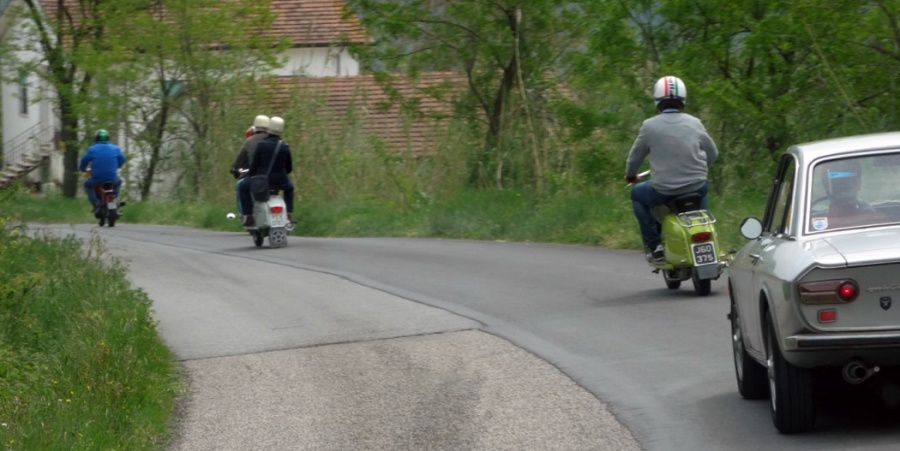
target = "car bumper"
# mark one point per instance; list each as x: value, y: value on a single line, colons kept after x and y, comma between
x: 802, y: 342
x: 836, y: 349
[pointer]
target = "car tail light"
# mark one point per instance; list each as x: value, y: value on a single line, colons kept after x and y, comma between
x: 847, y: 291
x: 701, y: 237
x: 827, y: 316
x: 838, y: 291
x: 277, y: 209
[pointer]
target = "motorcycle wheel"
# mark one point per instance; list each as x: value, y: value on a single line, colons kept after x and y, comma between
x: 672, y: 283
x: 113, y: 216
x: 101, y: 215
x: 701, y: 286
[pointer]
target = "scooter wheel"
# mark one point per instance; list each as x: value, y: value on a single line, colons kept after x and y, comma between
x: 672, y: 282
x: 701, y: 286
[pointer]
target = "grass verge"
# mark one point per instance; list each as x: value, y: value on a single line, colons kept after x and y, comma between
x: 593, y: 217
x: 81, y: 363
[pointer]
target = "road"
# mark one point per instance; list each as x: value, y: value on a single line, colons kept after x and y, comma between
x: 658, y: 360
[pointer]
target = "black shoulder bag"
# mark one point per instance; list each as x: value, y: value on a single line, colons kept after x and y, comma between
x: 259, y: 184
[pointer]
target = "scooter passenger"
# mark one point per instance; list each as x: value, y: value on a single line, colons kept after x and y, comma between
x: 104, y: 159
x: 680, y: 152
x: 278, y: 177
x: 256, y: 133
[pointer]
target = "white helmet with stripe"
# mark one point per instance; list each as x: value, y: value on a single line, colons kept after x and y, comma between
x: 669, y: 87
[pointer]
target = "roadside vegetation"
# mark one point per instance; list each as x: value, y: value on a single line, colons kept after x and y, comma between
x: 529, y: 146
x: 81, y: 363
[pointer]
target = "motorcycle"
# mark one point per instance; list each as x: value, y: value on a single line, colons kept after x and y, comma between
x: 691, y: 244
x: 269, y: 220
x: 108, y: 212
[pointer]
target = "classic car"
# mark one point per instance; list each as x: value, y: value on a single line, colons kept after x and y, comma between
x: 817, y: 287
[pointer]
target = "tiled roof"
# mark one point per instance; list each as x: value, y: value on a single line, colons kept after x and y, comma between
x: 315, y: 22
x: 379, y: 114
x: 305, y: 23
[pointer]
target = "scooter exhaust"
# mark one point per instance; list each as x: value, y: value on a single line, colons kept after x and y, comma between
x: 857, y: 372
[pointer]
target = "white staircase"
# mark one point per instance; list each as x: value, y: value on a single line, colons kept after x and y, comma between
x: 25, y: 152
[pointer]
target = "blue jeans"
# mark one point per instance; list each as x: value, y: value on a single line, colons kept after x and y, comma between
x: 237, y: 192
x: 644, y: 199
x: 92, y: 195
x: 246, y: 200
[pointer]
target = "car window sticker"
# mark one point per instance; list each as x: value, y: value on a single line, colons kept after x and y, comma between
x: 820, y: 223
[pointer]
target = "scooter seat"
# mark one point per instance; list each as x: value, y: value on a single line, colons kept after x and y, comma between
x: 685, y: 202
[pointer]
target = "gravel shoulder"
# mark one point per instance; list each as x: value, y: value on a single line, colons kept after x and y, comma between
x: 455, y: 390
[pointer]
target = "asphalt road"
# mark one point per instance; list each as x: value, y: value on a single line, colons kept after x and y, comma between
x: 659, y: 360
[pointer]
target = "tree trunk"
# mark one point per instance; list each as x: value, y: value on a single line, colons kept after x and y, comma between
x: 156, y: 147
x: 69, y: 136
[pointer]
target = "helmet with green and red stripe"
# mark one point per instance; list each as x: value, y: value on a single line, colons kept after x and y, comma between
x: 669, y: 88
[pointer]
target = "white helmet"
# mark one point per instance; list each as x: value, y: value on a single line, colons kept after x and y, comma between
x: 669, y: 87
x: 261, y: 123
x: 276, y: 125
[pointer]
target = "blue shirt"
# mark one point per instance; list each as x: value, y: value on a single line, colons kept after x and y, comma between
x: 105, y: 160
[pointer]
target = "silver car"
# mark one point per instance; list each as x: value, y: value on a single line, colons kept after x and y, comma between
x: 817, y: 287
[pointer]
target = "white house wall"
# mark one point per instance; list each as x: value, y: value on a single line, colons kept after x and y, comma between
x: 39, y: 116
x: 317, y: 62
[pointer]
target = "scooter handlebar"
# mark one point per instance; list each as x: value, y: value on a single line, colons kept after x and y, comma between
x: 639, y: 177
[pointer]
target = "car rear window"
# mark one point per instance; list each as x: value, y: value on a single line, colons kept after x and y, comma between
x: 855, y: 192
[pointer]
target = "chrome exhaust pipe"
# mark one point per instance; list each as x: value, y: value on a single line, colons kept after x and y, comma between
x: 857, y: 372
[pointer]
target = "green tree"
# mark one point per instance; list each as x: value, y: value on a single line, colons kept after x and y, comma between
x: 512, y: 53
x: 63, y: 34
x: 183, y: 65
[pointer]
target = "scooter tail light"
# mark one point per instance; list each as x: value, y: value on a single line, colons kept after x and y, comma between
x: 701, y: 237
x: 277, y: 209
x: 838, y: 291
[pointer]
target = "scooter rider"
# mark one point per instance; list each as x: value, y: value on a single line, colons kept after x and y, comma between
x: 255, y: 134
x: 104, y: 159
x: 680, y: 152
x: 278, y: 177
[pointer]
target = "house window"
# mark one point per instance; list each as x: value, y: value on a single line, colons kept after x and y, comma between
x: 23, y: 93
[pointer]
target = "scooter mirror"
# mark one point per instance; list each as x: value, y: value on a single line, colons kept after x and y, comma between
x: 751, y: 228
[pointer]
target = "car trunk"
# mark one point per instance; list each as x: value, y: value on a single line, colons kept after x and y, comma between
x: 876, y: 306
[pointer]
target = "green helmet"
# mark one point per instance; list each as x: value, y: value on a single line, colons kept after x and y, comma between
x: 102, y: 135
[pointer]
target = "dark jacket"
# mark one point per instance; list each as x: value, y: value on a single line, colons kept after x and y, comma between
x: 242, y: 161
x: 263, y: 155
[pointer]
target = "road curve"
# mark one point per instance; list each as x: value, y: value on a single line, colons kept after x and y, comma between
x: 660, y: 358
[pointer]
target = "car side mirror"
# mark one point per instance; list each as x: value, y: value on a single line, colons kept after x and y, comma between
x: 751, y: 228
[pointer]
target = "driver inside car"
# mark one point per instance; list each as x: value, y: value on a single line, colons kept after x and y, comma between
x: 843, y: 180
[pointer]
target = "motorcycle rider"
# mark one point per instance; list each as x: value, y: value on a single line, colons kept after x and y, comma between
x: 104, y: 159
x: 278, y: 177
x: 256, y: 133
x: 680, y: 152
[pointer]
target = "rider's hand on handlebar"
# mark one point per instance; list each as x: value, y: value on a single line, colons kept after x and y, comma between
x: 632, y: 178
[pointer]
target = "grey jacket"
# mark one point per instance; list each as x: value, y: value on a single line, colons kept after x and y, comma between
x: 679, y: 149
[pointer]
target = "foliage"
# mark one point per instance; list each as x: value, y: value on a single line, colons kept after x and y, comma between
x: 156, y: 72
x: 81, y: 364
x: 512, y: 54
x: 553, y: 97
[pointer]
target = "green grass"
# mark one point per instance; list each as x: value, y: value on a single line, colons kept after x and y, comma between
x: 81, y: 363
x: 593, y: 217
